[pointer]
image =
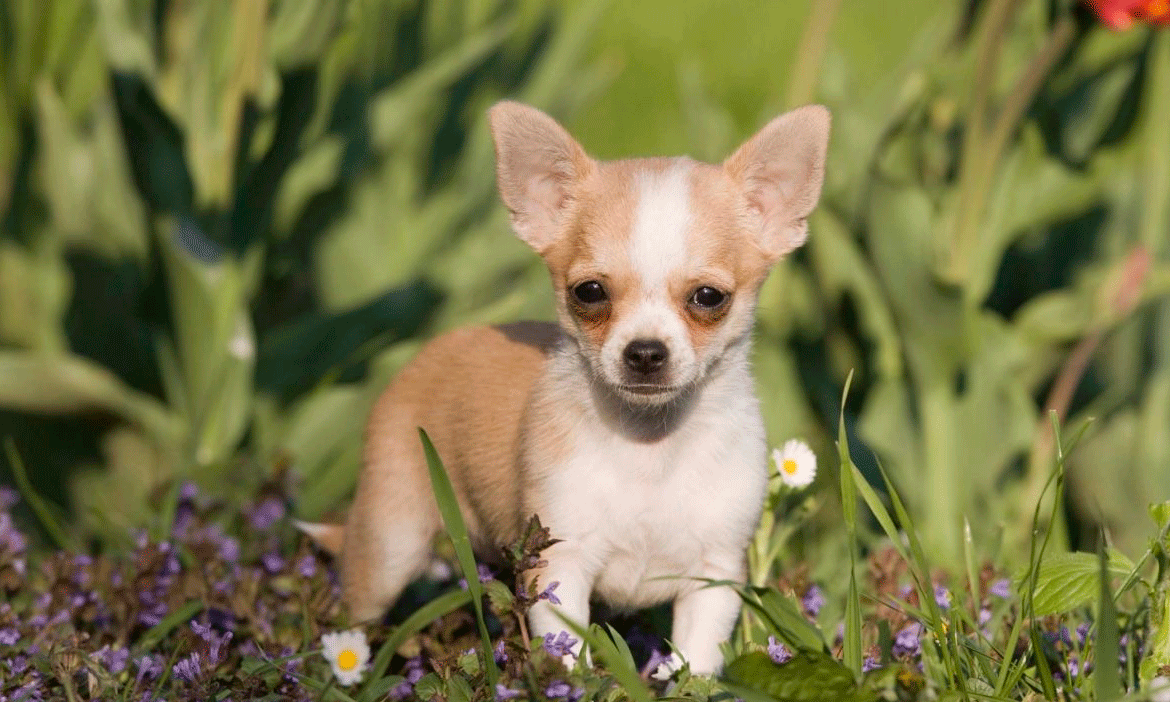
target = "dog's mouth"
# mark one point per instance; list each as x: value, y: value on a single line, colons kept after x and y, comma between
x: 648, y: 391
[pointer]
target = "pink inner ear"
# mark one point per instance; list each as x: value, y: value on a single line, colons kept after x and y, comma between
x: 547, y: 193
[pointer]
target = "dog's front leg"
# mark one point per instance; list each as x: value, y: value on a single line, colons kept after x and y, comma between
x: 704, y: 618
x: 574, y: 585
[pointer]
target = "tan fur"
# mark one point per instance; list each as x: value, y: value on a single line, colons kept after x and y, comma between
x: 467, y: 389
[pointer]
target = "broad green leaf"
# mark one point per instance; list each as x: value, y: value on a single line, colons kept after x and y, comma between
x: 397, y: 111
x: 64, y: 384
x: 806, y: 677
x: 782, y: 617
x: 1070, y: 580
x: 213, y: 335
x: 313, y: 173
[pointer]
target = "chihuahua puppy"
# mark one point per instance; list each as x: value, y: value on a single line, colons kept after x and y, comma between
x: 631, y: 427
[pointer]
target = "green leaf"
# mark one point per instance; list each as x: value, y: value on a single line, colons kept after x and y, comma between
x: 618, y: 659
x: 61, y: 384
x: 457, y: 530
x: 214, y: 337
x: 416, y: 622
x: 155, y: 634
x: 1106, y: 679
x: 782, y: 616
x: 1070, y: 580
x: 807, y: 677
x: 396, y: 112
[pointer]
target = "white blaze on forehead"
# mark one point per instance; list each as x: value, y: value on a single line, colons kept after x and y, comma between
x: 658, y: 243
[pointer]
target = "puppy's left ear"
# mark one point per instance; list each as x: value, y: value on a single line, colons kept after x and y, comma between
x: 781, y: 169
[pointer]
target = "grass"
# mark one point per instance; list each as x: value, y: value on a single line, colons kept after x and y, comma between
x: 233, y: 602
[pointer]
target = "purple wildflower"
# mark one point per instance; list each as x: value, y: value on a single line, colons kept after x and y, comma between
x: 503, y: 692
x: 657, y: 658
x: 942, y: 596
x: 82, y: 576
x: 113, y: 659
x: 778, y: 652
x: 188, y: 669
x: 560, y: 645
x: 149, y: 668
x: 307, y: 566
x: 499, y: 653
x: 229, y: 549
x: 213, y: 640
x: 9, y: 636
x: 272, y: 562
x: 1082, y: 633
x: 870, y: 663
x: 813, y: 600
x: 189, y: 492
x: 28, y: 692
x: 482, y: 573
x: 906, y: 641
x: 414, y: 670
x: 269, y: 511
x: 413, y: 673
x: 1001, y: 588
x: 8, y: 498
x: 547, y: 593
x: 557, y: 689
x: 11, y: 540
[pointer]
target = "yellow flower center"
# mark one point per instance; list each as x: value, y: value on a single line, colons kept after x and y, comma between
x: 347, y: 660
x: 789, y: 466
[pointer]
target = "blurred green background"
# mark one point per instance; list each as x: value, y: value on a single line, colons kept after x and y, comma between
x: 225, y: 226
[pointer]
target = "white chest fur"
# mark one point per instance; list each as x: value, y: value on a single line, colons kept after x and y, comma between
x: 649, y: 516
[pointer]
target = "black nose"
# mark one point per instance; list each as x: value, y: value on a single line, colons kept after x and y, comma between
x: 645, y: 356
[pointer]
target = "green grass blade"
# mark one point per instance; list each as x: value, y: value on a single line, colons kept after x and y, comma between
x: 848, y: 489
x: 850, y: 476
x: 1106, y: 678
x: 878, y: 508
x: 852, y: 651
x: 158, y: 632
x: 33, y: 498
x: 457, y: 530
x: 438, y: 607
x: 618, y: 661
x: 972, y: 574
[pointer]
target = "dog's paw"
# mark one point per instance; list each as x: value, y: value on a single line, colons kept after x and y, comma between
x: 667, y: 669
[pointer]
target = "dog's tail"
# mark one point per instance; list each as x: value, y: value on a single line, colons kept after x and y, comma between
x: 329, y: 537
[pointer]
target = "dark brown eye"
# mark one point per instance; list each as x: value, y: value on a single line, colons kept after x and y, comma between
x: 707, y: 298
x: 590, y: 293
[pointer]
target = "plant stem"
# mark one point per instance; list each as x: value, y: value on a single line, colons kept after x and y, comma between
x: 810, y: 53
x: 983, y: 148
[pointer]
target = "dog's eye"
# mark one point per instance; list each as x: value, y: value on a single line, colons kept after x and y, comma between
x: 707, y: 297
x: 590, y: 292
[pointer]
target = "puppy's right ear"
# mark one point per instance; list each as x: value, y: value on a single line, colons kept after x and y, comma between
x: 538, y: 166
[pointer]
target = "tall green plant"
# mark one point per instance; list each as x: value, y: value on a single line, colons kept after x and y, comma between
x: 990, y: 244
x: 267, y: 187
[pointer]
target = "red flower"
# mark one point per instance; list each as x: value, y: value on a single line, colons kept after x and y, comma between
x: 1121, y: 14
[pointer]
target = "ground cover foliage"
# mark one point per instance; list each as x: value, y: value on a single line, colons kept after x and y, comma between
x: 225, y: 225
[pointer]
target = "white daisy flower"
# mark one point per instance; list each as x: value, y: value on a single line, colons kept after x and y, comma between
x: 348, y: 653
x: 796, y: 463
